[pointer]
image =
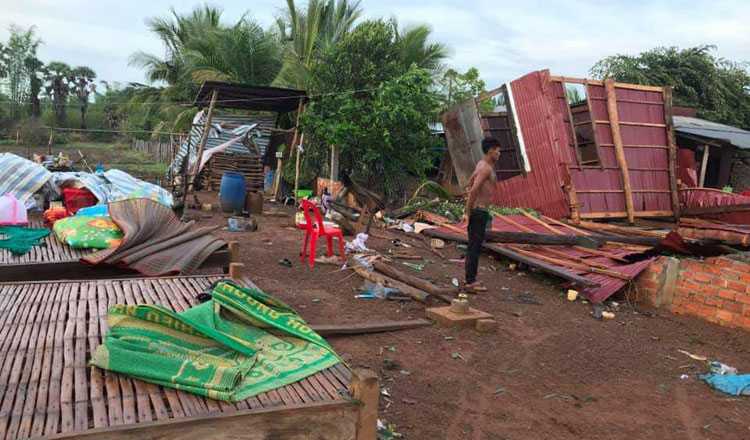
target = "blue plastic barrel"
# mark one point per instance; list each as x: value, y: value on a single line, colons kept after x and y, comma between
x: 232, y: 192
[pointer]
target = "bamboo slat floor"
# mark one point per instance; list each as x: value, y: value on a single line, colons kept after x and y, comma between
x: 56, y: 261
x: 48, y: 331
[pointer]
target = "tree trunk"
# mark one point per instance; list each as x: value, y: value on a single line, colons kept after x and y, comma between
x: 83, y: 117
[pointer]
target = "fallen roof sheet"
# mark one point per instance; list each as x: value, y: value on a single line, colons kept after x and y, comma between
x: 597, y: 266
x: 713, y: 130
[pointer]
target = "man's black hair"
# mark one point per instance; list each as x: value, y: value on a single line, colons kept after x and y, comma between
x: 489, y: 143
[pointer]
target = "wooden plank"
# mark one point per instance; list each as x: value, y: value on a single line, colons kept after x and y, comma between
x: 23, y: 410
x: 704, y: 164
x: 54, y: 408
x: 594, y: 134
x: 335, y: 420
x: 41, y: 410
x: 619, y: 214
x: 366, y: 389
x: 15, y: 350
x: 79, y: 360
x: 621, y: 229
x: 96, y: 392
x: 619, y: 152
x: 634, y: 124
x: 363, y: 328
x: 742, y: 207
x: 115, y: 295
x: 599, y: 83
x: 577, y: 152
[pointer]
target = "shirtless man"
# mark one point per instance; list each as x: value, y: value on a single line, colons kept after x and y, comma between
x: 482, y: 185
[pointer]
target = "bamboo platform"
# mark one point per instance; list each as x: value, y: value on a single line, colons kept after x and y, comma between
x: 57, y: 261
x: 48, y: 331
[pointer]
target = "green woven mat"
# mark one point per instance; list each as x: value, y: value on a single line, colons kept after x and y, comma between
x: 238, y: 344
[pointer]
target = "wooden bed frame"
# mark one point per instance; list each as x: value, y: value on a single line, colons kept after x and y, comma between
x: 48, y: 331
x: 56, y: 261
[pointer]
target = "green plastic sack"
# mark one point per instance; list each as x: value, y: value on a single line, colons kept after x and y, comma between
x: 88, y: 232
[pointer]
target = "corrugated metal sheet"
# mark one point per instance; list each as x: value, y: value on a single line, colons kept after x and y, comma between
x: 228, y: 123
x: 713, y: 130
x: 705, y: 197
x: 542, y: 110
x: 608, y: 285
x: 541, y: 125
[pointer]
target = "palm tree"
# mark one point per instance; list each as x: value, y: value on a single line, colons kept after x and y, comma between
x: 415, y: 48
x: 57, y: 75
x: 306, y: 33
x: 243, y: 53
x: 82, y: 85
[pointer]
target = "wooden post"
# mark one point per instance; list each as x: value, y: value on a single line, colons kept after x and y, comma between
x: 577, y: 152
x: 672, y: 153
x: 334, y: 163
x: 234, y: 251
x: 614, y: 124
x: 280, y: 161
x: 204, y: 138
x: 51, y: 140
x: 365, y: 388
x: 296, y: 170
x: 704, y: 164
x: 236, y: 271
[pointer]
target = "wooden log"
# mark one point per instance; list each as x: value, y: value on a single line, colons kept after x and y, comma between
x: 446, y: 294
x: 365, y: 388
x: 619, y: 151
x: 585, y: 241
x: 415, y: 293
x: 204, y: 136
x: 362, y: 328
x: 505, y: 252
x: 621, y: 229
x: 236, y: 271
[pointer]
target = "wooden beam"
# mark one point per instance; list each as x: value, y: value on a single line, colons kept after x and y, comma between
x: 621, y: 214
x: 619, y: 152
x: 327, y: 330
x: 296, y: 170
x: 366, y: 390
x: 704, y: 164
x: 413, y: 292
x: 583, y: 242
x: 672, y: 144
x: 446, y: 294
x: 487, y: 95
x: 599, y: 83
x: 280, y: 161
x: 335, y: 420
x: 577, y: 152
x: 204, y: 137
x: 621, y: 229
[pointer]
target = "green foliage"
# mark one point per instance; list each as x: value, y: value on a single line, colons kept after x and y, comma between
x: 718, y: 89
x: 19, y: 65
x: 458, y: 87
x: 306, y: 33
x: 728, y: 188
x: 503, y: 210
x: 380, y: 124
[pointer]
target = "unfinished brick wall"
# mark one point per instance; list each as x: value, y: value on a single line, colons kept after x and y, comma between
x: 716, y: 290
x: 739, y: 177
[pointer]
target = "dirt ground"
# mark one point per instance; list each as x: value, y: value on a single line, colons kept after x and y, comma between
x: 551, y: 370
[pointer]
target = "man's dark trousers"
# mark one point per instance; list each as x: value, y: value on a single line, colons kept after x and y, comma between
x: 477, y: 225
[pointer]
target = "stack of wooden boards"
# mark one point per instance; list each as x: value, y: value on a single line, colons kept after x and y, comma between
x: 250, y: 165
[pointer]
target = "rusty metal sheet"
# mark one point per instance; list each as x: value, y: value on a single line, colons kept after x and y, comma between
x: 608, y: 285
x: 705, y: 197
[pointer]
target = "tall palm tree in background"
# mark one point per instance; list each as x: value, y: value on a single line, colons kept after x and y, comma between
x: 416, y: 48
x: 306, y: 33
x: 243, y: 53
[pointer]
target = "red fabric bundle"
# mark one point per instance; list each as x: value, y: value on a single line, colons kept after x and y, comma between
x: 55, y: 213
x: 77, y: 198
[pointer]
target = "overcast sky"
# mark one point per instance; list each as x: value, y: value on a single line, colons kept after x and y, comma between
x: 504, y: 39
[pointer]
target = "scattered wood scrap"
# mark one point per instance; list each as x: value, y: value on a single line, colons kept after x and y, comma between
x: 363, y: 328
x: 416, y: 294
x: 419, y: 283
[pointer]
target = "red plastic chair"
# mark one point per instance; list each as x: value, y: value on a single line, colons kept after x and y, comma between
x: 316, y: 229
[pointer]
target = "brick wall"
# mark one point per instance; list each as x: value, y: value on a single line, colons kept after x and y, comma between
x: 739, y: 177
x: 716, y: 290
